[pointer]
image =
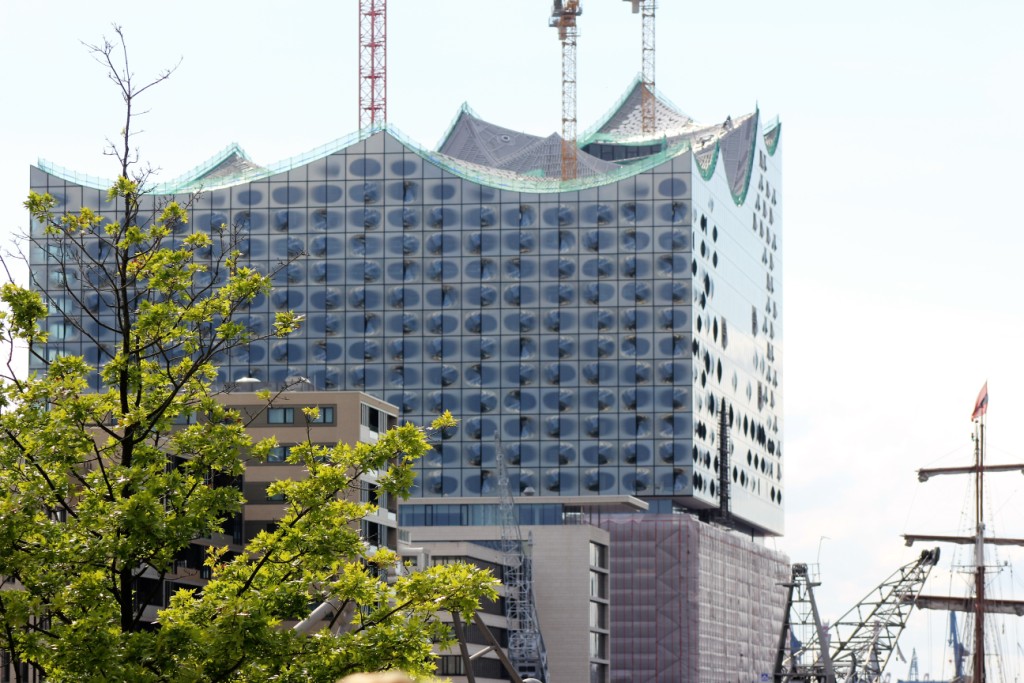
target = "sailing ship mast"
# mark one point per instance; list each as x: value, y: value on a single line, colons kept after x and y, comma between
x: 978, y: 605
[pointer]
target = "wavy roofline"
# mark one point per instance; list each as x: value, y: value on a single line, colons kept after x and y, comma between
x: 523, y: 183
x: 190, y: 182
x: 738, y: 197
x: 190, y: 178
x: 464, y: 110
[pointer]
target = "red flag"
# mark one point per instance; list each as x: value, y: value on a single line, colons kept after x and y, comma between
x: 981, y: 405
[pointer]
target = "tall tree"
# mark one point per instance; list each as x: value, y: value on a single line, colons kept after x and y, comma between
x: 102, y: 489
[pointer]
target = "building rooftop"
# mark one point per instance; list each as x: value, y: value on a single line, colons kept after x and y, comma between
x: 501, y: 157
x: 622, y: 123
x: 472, y: 139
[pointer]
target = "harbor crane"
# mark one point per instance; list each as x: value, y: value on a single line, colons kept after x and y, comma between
x: 857, y: 646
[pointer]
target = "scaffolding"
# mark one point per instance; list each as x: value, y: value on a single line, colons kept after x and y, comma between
x: 704, y: 602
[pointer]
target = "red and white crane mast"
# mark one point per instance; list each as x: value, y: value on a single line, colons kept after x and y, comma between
x: 373, y: 63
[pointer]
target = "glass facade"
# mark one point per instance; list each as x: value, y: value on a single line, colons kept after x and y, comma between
x: 611, y: 338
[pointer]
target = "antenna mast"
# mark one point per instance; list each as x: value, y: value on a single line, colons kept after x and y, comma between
x: 563, y: 17
x: 373, y: 61
x: 648, y: 116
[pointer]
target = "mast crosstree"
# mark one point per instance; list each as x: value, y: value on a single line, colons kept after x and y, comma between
x: 978, y: 604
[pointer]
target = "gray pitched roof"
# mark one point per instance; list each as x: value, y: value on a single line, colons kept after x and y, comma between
x: 625, y: 123
x: 474, y: 140
x: 733, y: 139
x: 737, y: 145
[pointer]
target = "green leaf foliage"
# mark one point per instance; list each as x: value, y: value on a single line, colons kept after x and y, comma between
x: 110, y: 473
x: 103, y: 490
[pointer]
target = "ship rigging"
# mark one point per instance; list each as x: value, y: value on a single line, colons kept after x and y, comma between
x: 977, y: 604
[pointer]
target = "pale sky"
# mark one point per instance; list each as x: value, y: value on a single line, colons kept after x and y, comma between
x: 901, y: 152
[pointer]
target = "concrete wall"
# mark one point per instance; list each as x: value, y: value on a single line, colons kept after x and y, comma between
x: 562, y: 588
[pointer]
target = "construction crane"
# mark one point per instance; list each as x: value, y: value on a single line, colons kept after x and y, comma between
x: 858, y: 645
x: 563, y: 17
x: 525, y: 643
x: 648, y: 115
x: 373, y: 63
x: 802, y: 615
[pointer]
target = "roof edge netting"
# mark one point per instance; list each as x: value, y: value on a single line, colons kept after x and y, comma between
x: 211, y: 165
x: 772, y: 133
x: 473, y: 140
x: 506, y: 180
x: 741, y: 196
x: 464, y: 109
x: 593, y: 133
x: 707, y: 168
x: 192, y: 180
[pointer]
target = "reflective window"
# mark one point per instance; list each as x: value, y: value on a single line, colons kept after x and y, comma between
x: 280, y: 416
